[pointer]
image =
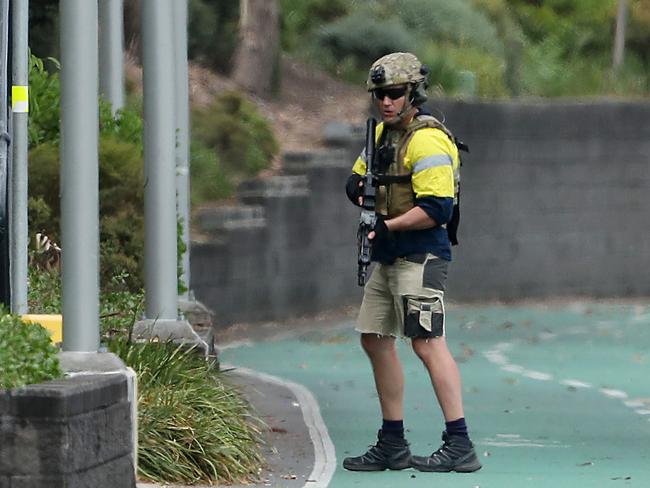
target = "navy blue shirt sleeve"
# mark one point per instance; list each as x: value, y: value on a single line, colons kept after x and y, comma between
x: 439, y: 209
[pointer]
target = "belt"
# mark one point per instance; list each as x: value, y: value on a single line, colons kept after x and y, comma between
x: 418, y: 258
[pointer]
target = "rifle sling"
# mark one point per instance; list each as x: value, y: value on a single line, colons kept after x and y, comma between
x: 391, y: 179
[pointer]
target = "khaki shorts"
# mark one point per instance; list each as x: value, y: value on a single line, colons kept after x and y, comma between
x: 405, y: 299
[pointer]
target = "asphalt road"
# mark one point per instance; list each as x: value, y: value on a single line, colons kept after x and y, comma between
x: 555, y: 396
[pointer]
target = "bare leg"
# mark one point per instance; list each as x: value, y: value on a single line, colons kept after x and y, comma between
x: 444, y: 373
x: 387, y: 369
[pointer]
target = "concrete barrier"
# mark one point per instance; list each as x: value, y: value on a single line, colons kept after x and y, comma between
x: 554, y: 204
x: 69, y: 433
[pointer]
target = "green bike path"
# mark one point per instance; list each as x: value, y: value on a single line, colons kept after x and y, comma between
x: 555, y: 395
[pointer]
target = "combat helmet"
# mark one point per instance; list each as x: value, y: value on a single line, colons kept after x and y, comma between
x: 399, y: 69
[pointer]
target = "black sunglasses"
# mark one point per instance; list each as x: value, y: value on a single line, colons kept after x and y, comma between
x: 392, y: 93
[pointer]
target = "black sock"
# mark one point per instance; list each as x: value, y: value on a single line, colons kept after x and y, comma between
x: 393, y: 428
x: 457, y: 427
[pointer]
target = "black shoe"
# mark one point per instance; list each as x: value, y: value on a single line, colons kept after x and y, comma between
x: 456, y: 454
x: 389, y: 453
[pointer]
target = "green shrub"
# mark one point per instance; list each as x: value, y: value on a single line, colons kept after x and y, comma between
x: 213, y: 32
x: 363, y: 39
x: 209, y: 178
x: 298, y: 18
x: 119, y: 306
x: 241, y: 137
x: 44, y: 172
x: 446, y: 61
x: 192, y: 426
x: 121, y: 201
x: 458, y: 23
x: 27, y: 355
x: 44, y: 290
x: 44, y: 103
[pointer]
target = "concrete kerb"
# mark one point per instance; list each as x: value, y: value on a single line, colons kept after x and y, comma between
x: 178, y: 331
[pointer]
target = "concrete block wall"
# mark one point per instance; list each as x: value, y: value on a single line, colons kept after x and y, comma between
x: 553, y: 205
x: 554, y: 200
x: 288, y: 250
x: 69, y: 433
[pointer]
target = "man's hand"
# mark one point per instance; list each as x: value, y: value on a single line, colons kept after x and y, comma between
x: 381, y: 230
x: 354, y: 189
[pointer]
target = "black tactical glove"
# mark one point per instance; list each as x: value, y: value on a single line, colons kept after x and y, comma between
x: 381, y: 230
x: 352, y: 188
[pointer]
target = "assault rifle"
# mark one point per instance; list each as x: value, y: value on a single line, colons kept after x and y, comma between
x: 368, y: 217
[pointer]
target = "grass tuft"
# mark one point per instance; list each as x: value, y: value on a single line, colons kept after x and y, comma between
x: 193, y: 426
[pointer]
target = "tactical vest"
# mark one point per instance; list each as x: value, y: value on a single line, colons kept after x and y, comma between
x: 395, y: 193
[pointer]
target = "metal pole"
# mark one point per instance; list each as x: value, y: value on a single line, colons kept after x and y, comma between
x: 79, y: 175
x: 161, y: 295
x: 619, y: 39
x: 182, y: 133
x: 5, y: 138
x: 19, y: 237
x: 111, y: 57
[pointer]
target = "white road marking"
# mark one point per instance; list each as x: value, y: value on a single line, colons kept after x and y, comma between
x: 537, y: 375
x: 576, y: 383
x: 324, y: 453
x: 497, y: 356
x: 515, y: 440
x: 613, y: 393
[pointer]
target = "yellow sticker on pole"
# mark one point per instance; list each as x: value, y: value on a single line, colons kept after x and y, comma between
x: 20, y: 99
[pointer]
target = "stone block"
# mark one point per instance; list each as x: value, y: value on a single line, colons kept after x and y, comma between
x: 69, y: 396
x: 99, y: 436
x: 5, y: 402
x: 37, y: 446
x: 219, y: 219
x: 117, y: 473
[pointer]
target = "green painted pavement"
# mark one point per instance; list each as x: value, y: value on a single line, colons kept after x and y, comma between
x: 555, y: 396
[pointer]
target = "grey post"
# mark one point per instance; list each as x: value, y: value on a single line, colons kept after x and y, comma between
x: 182, y: 131
x: 5, y: 149
x: 619, y: 38
x: 18, y: 232
x: 79, y: 175
x: 111, y: 57
x: 161, y: 295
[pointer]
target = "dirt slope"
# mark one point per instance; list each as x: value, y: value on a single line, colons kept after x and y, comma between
x: 307, y: 101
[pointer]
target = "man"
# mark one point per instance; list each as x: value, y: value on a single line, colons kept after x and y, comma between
x: 418, y: 164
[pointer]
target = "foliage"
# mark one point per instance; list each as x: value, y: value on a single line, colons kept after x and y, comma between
x: 181, y: 249
x: 241, y: 137
x: 27, y: 355
x: 121, y: 199
x: 213, y: 32
x: 209, y: 178
x: 44, y: 103
x: 44, y: 27
x: 364, y: 39
x: 298, y: 18
x: 431, y: 19
x: 539, y: 48
x: 119, y: 306
x: 193, y: 426
x: 365, y: 31
x: 44, y: 290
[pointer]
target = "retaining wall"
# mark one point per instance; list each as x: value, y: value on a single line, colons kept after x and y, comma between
x: 69, y: 433
x: 554, y: 204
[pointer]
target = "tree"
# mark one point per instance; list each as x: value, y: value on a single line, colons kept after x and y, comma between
x: 258, y: 52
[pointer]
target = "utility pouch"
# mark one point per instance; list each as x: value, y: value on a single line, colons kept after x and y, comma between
x: 423, y: 317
